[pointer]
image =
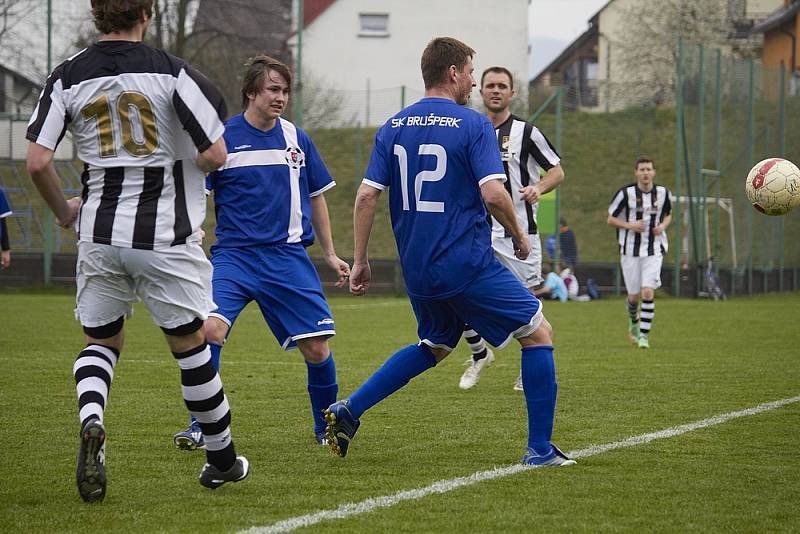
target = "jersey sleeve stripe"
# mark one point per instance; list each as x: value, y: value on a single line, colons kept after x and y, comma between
x: 485, y: 179
x: 376, y: 185
x: 48, y: 125
x: 329, y: 185
x: 542, y: 151
x: 198, y: 110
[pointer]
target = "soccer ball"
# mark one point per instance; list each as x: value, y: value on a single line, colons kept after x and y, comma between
x: 773, y: 186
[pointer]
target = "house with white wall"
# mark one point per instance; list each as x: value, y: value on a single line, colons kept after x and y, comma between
x: 368, y: 51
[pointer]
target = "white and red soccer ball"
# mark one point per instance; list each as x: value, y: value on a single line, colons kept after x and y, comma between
x: 773, y: 186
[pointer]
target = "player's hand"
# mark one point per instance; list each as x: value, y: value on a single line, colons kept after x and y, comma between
x: 5, y: 259
x: 530, y: 193
x: 341, y: 267
x: 359, y: 278
x: 639, y: 227
x: 658, y: 230
x: 522, y: 248
x: 74, y: 205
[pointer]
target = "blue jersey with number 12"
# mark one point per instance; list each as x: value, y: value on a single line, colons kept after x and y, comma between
x: 433, y: 156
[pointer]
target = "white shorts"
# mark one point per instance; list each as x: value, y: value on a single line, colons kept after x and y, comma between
x: 641, y: 271
x: 174, y: 283
x: 529, y: 270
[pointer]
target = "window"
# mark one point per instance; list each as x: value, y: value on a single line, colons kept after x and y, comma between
x: 373, y: 24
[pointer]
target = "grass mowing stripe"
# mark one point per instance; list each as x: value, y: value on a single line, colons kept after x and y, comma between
x: 444, y: 486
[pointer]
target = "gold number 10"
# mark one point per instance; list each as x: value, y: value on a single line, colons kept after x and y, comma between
x: 134, y: 110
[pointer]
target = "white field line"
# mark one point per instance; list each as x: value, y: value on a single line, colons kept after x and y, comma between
x: 444, y: 486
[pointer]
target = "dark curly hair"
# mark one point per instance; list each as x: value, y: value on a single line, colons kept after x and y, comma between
x: 119, y: 15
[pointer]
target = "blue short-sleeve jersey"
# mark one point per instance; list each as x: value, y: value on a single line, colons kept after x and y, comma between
x: 433, y: 156
x: 5, y: 207
x: 262, y: 195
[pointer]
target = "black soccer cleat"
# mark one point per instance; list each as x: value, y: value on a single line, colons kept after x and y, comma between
x: 91, y: 473
x: 211, y: 477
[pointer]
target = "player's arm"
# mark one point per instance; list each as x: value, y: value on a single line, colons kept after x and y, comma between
x: 363, y: 219
x: 499, y: 203
x: 39, y: 162
x: 213, y: 157
x: 551, y: 179
x: 5, y: 246
x: 663, y: 225
x: 638, y: 226
x: 320, y: 220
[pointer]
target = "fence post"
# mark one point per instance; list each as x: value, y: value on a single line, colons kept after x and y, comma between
x: 678, y: 166
x: 751, y: 132
x: 781, y: 153
x: 699, y: 207
x: 717, y: 154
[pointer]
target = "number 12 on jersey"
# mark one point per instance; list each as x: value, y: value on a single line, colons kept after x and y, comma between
x: 435, y: 175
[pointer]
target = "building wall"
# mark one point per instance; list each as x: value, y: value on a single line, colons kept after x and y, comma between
x: 336, y: 55
x: 778, y: 46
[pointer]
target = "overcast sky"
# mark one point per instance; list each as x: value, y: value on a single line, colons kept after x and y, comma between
x: 553, y: 24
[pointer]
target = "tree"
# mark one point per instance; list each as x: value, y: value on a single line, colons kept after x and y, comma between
x: 644, y: 53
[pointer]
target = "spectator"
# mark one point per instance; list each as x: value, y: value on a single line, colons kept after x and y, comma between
x: 569, y: 247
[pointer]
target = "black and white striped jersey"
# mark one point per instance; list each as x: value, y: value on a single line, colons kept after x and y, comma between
x: 631, y: 204
x: 525, y: 152
x: 138, y: 116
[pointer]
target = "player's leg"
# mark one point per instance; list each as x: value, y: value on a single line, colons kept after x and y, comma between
x: 651, y: 280
x: 104, y: 298
x: 501, y: 308
x: 322, y: 385
x: 293, y: 304
x: 439, y: 329
x: 232, y: 290
x: 482, y: 357
x: 175, y: 286
x: 527, y: 271
x: 632, y: 275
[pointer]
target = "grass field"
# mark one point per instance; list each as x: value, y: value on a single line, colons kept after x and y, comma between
x: 707, y: 359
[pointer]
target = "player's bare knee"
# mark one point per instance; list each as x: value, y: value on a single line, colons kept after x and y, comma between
x: 186, y: 336
x: 108, y: 335
x: 541, y: 336
x: 439, y: 353
x: 215, y: 330
x: 648, y: 293
x: 315, y: 349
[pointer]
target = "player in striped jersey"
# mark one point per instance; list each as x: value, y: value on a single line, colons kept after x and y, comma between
x: 147, y: 127
x: 269, y: 202
x: 641, y: 212
x: 533, y: 168
x: 5, y: 245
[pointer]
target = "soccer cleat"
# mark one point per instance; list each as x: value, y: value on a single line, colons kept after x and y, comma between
x: 643, y: 342
x: 212, y: 478
x: 91, y: 473
x: 342, y: 427
x: 518, y: 383
x: 633, y: 331
x: 473, y: 372
x: 190, y: 439
x: 555, y: 458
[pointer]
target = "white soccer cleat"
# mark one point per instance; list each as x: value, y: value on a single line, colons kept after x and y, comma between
x: 473, y: 372
x: 518, y: 383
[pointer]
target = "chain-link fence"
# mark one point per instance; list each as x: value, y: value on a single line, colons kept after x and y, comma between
x: 725, y: 115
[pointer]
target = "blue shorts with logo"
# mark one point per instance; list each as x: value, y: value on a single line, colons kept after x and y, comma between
x: 495, y: 304
x: 283, y: 282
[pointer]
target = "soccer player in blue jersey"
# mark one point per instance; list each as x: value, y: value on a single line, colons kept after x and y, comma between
x: 5, y: 246
x: 441, y: 162
x: 269, y: 203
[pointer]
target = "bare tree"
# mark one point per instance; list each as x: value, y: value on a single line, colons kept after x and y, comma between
x: 645, y: 55
x: 11, y: 13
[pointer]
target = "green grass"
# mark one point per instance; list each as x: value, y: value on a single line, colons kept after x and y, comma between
x: 707, y: 359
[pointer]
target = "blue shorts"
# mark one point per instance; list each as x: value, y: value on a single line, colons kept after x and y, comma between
x: 495, y: 304
x: 284, y: 283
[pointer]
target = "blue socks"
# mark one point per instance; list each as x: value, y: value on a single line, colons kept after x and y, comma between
x: 395, y: 373
x: 322, y: 389
x: 539, y: 383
